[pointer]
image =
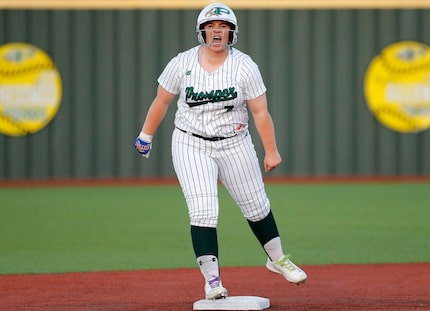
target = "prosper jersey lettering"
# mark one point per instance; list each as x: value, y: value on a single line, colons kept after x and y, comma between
x: 212, y: 104
x: 200, y: 98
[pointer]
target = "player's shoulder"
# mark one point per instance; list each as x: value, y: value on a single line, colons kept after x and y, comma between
x: 192, y: 52
x: 183, y: 58
x: 238, y: 53
x: 243, y: 60
x: 240, y: 56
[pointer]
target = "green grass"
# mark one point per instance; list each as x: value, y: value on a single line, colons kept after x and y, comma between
x: 146, y: 227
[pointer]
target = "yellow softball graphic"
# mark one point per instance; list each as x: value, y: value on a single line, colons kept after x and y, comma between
x: 30, y: 89
x: 397, y: 87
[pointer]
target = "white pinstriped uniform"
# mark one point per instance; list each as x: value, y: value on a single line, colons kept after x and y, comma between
x: 214, y: 105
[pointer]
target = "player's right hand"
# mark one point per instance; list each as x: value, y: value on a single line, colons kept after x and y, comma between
x: 143, y: 144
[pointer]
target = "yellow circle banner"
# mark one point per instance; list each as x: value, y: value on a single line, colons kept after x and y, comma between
x: 397, y: 87
x: 30, y: 89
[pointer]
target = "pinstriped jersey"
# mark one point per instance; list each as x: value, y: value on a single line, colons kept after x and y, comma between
x: 212, y: 104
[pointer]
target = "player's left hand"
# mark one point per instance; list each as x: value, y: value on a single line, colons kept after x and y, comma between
x: 143, y: 144
x: 271, y: 161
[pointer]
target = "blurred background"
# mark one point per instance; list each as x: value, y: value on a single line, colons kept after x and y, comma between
x: 313, y: 57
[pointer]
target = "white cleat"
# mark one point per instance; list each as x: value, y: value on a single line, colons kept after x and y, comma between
x: 288, y: 269
x: 214, y: 289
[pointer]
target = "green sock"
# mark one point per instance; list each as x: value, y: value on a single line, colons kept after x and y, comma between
x: 265, y: 229
x: 205, y: 241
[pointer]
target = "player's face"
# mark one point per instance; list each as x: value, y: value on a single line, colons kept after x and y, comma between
x: 217, y: 34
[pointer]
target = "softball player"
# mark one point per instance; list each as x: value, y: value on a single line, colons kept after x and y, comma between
x: 216, y: 84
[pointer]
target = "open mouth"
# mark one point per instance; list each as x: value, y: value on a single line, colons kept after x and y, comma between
x: 217, y: 39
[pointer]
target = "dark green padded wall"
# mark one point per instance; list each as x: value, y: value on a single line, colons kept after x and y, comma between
x: 313, y: 62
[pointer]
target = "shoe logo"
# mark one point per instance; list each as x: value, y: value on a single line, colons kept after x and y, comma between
x: 215, y: 282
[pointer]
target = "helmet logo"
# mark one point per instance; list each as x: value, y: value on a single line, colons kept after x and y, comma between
x: 217, y: 11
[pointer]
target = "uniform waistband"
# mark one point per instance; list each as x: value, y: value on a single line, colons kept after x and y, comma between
x: 205, y: 138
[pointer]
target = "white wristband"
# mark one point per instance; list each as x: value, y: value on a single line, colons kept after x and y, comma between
x: 145, y: 137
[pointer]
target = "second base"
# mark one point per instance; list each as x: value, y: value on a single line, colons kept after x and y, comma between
x: 233, y: 303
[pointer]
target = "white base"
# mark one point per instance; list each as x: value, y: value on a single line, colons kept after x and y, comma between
x: 233, y: 303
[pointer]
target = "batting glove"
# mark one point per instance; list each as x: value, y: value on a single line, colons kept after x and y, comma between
x: 143, y: 144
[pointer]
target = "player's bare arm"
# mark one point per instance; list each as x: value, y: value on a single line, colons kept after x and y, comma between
x: 264, y: 124
x: 157, y: 111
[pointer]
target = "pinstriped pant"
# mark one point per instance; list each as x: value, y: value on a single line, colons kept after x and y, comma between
x: 199, y: 164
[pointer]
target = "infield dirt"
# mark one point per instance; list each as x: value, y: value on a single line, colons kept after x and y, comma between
x: 391, y: 287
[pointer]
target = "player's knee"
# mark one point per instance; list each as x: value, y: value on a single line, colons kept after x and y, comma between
x: 210, y: 222
x: 257, y: 215
x: 256, y: 209
x: 203, y: 214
